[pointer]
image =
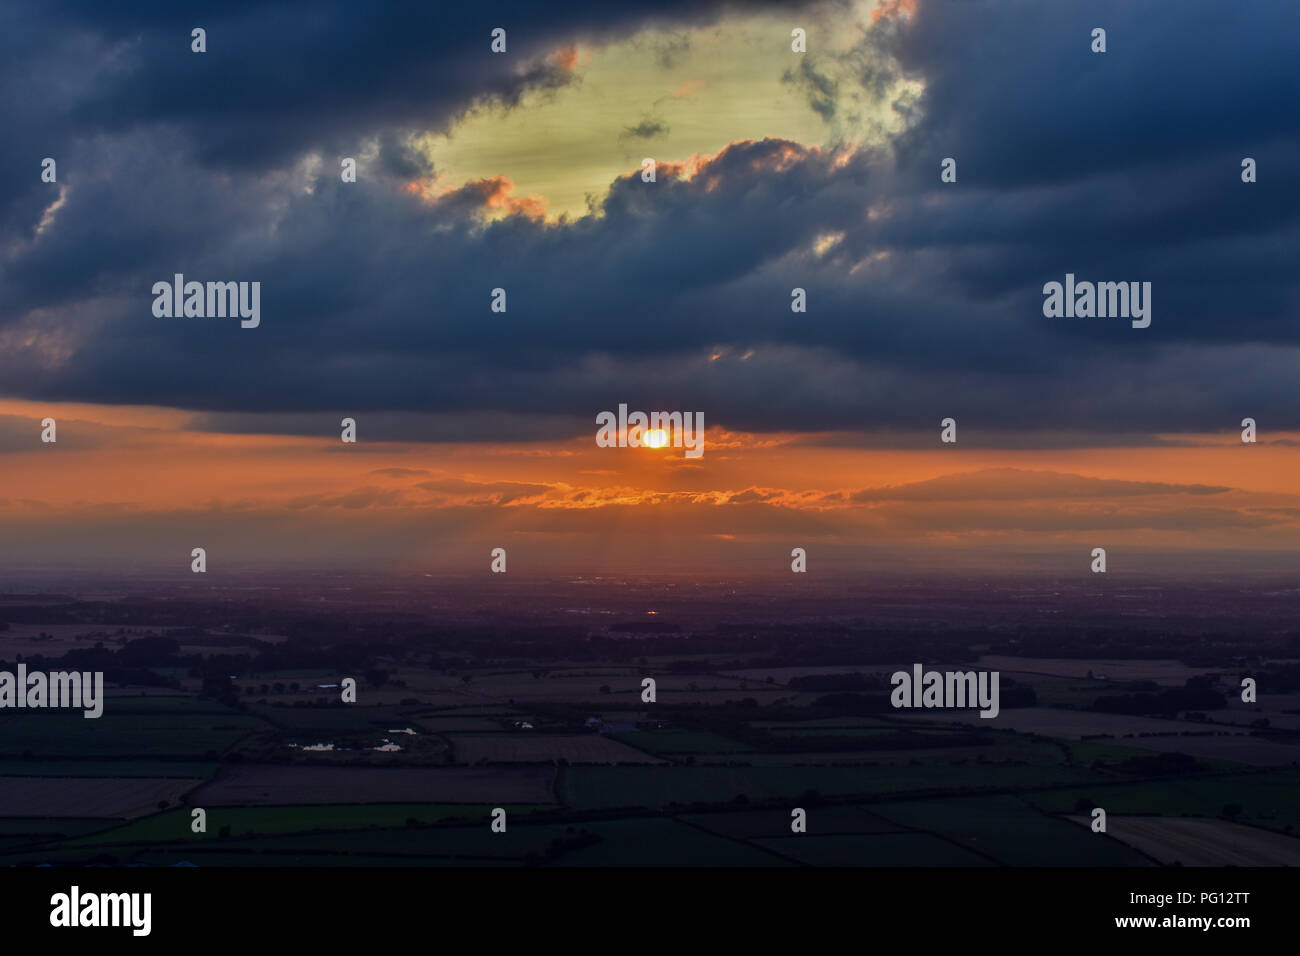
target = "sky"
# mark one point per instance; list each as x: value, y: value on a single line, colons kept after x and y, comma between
x: 522, y: 171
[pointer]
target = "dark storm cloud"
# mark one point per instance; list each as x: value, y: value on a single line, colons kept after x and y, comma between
x: 18, y: 434
x: 1014, y: 87
x: 927, y: 303
x: 821, y: 90
x: 277, y: 79
x: 646, y: 129
x: 393, y: 427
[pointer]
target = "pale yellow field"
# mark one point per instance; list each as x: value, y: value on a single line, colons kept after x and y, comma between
x: 1199, y: 841
x: 1269, y: 706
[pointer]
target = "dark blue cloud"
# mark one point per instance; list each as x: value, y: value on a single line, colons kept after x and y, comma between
x: 1122, y: 166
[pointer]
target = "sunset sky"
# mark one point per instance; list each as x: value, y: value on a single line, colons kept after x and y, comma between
x: 521, y: 171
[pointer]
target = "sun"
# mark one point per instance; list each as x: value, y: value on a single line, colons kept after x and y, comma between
x: 656, y: 438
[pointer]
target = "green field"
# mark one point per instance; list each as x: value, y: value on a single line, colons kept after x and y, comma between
x: 682, y: 742
x: 72, y: 767
x: 127, y: 735
x: 1266, y: 799
x: 334, y: 720
x: 825, y: 723
x: 464, y: 724
x: 1086, y: 751
x: 159, y: 704
x: 520, y: 843
x: 244, y: 821
x: 758, y: 824
x: 52, y: 829
x: 885, y: 849
x: 1011, y: 832
x: 1070, y: 694
x: 657, y: 841
x: 212, y: 857
x: 864, y: 732
x: 593, y: 787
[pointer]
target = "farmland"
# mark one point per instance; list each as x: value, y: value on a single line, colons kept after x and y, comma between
x: 544, y: 748
x: 1201, y: 842
x: 87, y: 796
x: 258, y: 785
x: 451, y: 723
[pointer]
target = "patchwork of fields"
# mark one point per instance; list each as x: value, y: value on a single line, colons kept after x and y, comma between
x: 708, y: 776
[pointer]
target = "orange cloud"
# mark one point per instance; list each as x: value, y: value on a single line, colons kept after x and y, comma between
x: 782, y: 155
x: 155, y: 476
x: 890, y: 8
x: 565, y: 58
x: 426, y: 187
x: 498, y: 193
x: 495, y: 193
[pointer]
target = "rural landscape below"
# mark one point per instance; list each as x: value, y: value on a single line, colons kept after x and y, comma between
x: 525, y: 694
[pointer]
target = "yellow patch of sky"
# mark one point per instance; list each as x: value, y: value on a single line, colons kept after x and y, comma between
x: 689, y: 91
x: 826, y: 241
